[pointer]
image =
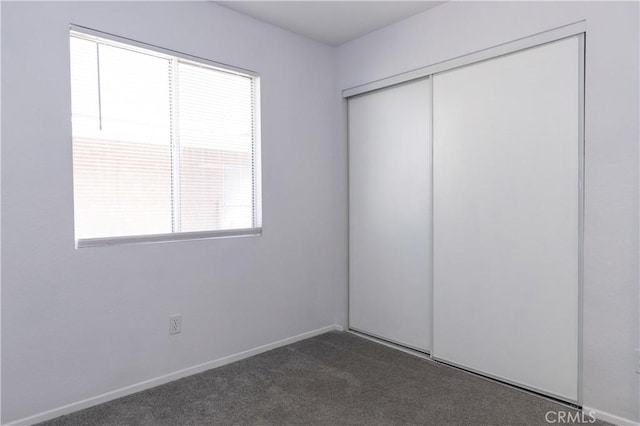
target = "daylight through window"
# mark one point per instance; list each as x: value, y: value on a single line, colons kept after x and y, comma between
x: 164, y: 147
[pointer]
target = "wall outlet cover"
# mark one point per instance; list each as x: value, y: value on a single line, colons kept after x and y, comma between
x: 175, y: 324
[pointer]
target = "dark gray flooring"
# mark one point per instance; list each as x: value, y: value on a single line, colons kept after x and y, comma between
x: 332, y: 379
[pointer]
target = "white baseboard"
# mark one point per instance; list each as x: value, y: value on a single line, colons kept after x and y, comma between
x: 609, y: 418
x: 147, y: 384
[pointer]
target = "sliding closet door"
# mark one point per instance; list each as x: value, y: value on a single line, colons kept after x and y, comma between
x: 390, y: 214
x: 507, y: 217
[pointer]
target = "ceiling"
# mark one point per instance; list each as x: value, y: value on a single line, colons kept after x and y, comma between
x: 330, y: 22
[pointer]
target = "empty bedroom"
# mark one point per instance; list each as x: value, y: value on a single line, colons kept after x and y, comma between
x: 319, y: 213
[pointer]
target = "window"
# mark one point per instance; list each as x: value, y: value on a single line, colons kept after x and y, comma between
x: 165, y: 147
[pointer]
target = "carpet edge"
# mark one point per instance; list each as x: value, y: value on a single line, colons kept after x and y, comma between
x: 166, y: 378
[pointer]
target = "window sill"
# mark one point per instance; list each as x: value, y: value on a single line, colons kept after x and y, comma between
x: 165, y: 238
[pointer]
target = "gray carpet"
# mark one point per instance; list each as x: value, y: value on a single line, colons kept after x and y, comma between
x: 332, y: 379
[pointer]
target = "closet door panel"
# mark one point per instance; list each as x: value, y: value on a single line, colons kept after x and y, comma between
x: 506, y: 217
x: 390, y: 214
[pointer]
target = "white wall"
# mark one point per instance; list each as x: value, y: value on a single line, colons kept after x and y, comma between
x: 78, y: 323
x: 611, y: 216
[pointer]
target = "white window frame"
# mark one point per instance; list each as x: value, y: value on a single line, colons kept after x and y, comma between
x: 176, y: 235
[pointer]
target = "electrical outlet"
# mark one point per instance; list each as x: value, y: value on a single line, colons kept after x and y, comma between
x: 175, y: 324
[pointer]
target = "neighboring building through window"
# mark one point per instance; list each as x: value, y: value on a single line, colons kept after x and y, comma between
x: 165, y: 147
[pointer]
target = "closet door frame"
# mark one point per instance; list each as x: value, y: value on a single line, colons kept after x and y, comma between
x: 539, y: 39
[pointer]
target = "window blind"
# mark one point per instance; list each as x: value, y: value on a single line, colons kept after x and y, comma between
x: 161, y: 144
